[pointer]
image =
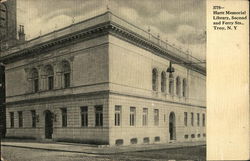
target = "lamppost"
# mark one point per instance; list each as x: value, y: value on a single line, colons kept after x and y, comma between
x: 170, y: 69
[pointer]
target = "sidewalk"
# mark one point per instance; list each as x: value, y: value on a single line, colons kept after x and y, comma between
x: 94, y: 149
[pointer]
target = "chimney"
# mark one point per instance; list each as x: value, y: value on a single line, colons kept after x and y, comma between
x: 21, y: 34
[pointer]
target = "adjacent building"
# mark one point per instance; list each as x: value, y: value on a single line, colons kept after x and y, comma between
x: 103, y: 81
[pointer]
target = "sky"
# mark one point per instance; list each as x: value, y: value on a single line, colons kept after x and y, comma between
x: 180, y: 22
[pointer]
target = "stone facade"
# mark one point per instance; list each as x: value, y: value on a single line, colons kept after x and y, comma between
x: 108, y: 97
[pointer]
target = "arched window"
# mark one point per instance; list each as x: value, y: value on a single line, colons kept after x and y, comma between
x: 178, y: 86
x: 171, y: 84
x: 50, y: 77
x: 66, y: 74
x: 3, y: 21
x: 154, y: 79
x: 163, y: 82
x: 35, y: 80
x: 184, y: 88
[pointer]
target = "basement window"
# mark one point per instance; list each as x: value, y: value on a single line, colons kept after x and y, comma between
x: 119, y: 142
x: 146, y: 140
x: 157, y: 138
x: 133, y: 141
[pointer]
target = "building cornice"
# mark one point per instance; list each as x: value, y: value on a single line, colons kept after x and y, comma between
x: 104, y: 93
x: 107, y: 24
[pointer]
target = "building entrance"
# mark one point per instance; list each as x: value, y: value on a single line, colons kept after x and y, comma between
x: 172, y: 129
x: 48, y: 124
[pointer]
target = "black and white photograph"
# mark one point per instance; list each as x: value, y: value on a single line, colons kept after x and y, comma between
x: 113, y: 80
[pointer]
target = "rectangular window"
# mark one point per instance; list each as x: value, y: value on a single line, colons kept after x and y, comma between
x: 203, y: 120
x: 20, y: 118
x: 145, y: 117
x: 198, y: 119
x: 11, y: 119
x: 192, y: 118
x: 118, y: 115
x: 64, y: 117
x: 185, y: 118
x: 33, y: 116
x: 99, y: 115
x: 132, y: 116
x: 51, y: 82
x: 156, y: 117
x: 66, y: 80
x: 84, y: 116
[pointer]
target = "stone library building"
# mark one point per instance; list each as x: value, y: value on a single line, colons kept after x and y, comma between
x: 100, y: 81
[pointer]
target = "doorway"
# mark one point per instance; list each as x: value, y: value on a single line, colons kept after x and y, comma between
x: 48, y: 124
x: 172, y: 129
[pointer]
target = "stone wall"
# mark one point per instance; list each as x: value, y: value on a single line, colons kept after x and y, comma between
x: 131, y: 73
x: 127, y: 132
x: 73, y: 132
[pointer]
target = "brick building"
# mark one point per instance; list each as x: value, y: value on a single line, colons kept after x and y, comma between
x: 103, y: 81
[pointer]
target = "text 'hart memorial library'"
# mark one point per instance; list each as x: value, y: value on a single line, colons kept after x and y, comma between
x: 102, y: 81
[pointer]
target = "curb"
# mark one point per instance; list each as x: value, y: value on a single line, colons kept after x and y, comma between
x: 104, y: 153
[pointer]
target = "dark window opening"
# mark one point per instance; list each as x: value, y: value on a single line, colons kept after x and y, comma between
x: 11, y: 119
x: 132, y: 117
x: 192, y: 118
x: 33, y: 115
x: 51, y: 82
x: 20, y: 118
x: 145, y: 117
x: 64, y: 117
x: 198, y: 119
x: 66, y: 80
x: 146, y: 140
x: 117, y: 115
x: 119, y: 142
x: 163, y: 82
x: 36, y: 85
x: 185, y: 118
x: 203, y: 120
x: 133, y: 141
x: 157, y: 139
x: 84, y: 115
x: 98, y: 116
x: 154, y: 79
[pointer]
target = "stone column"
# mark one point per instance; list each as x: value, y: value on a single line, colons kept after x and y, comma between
x: 174, y: 86
x: 167, y: 84
x: 181, y: 92
x: 71, y: 59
